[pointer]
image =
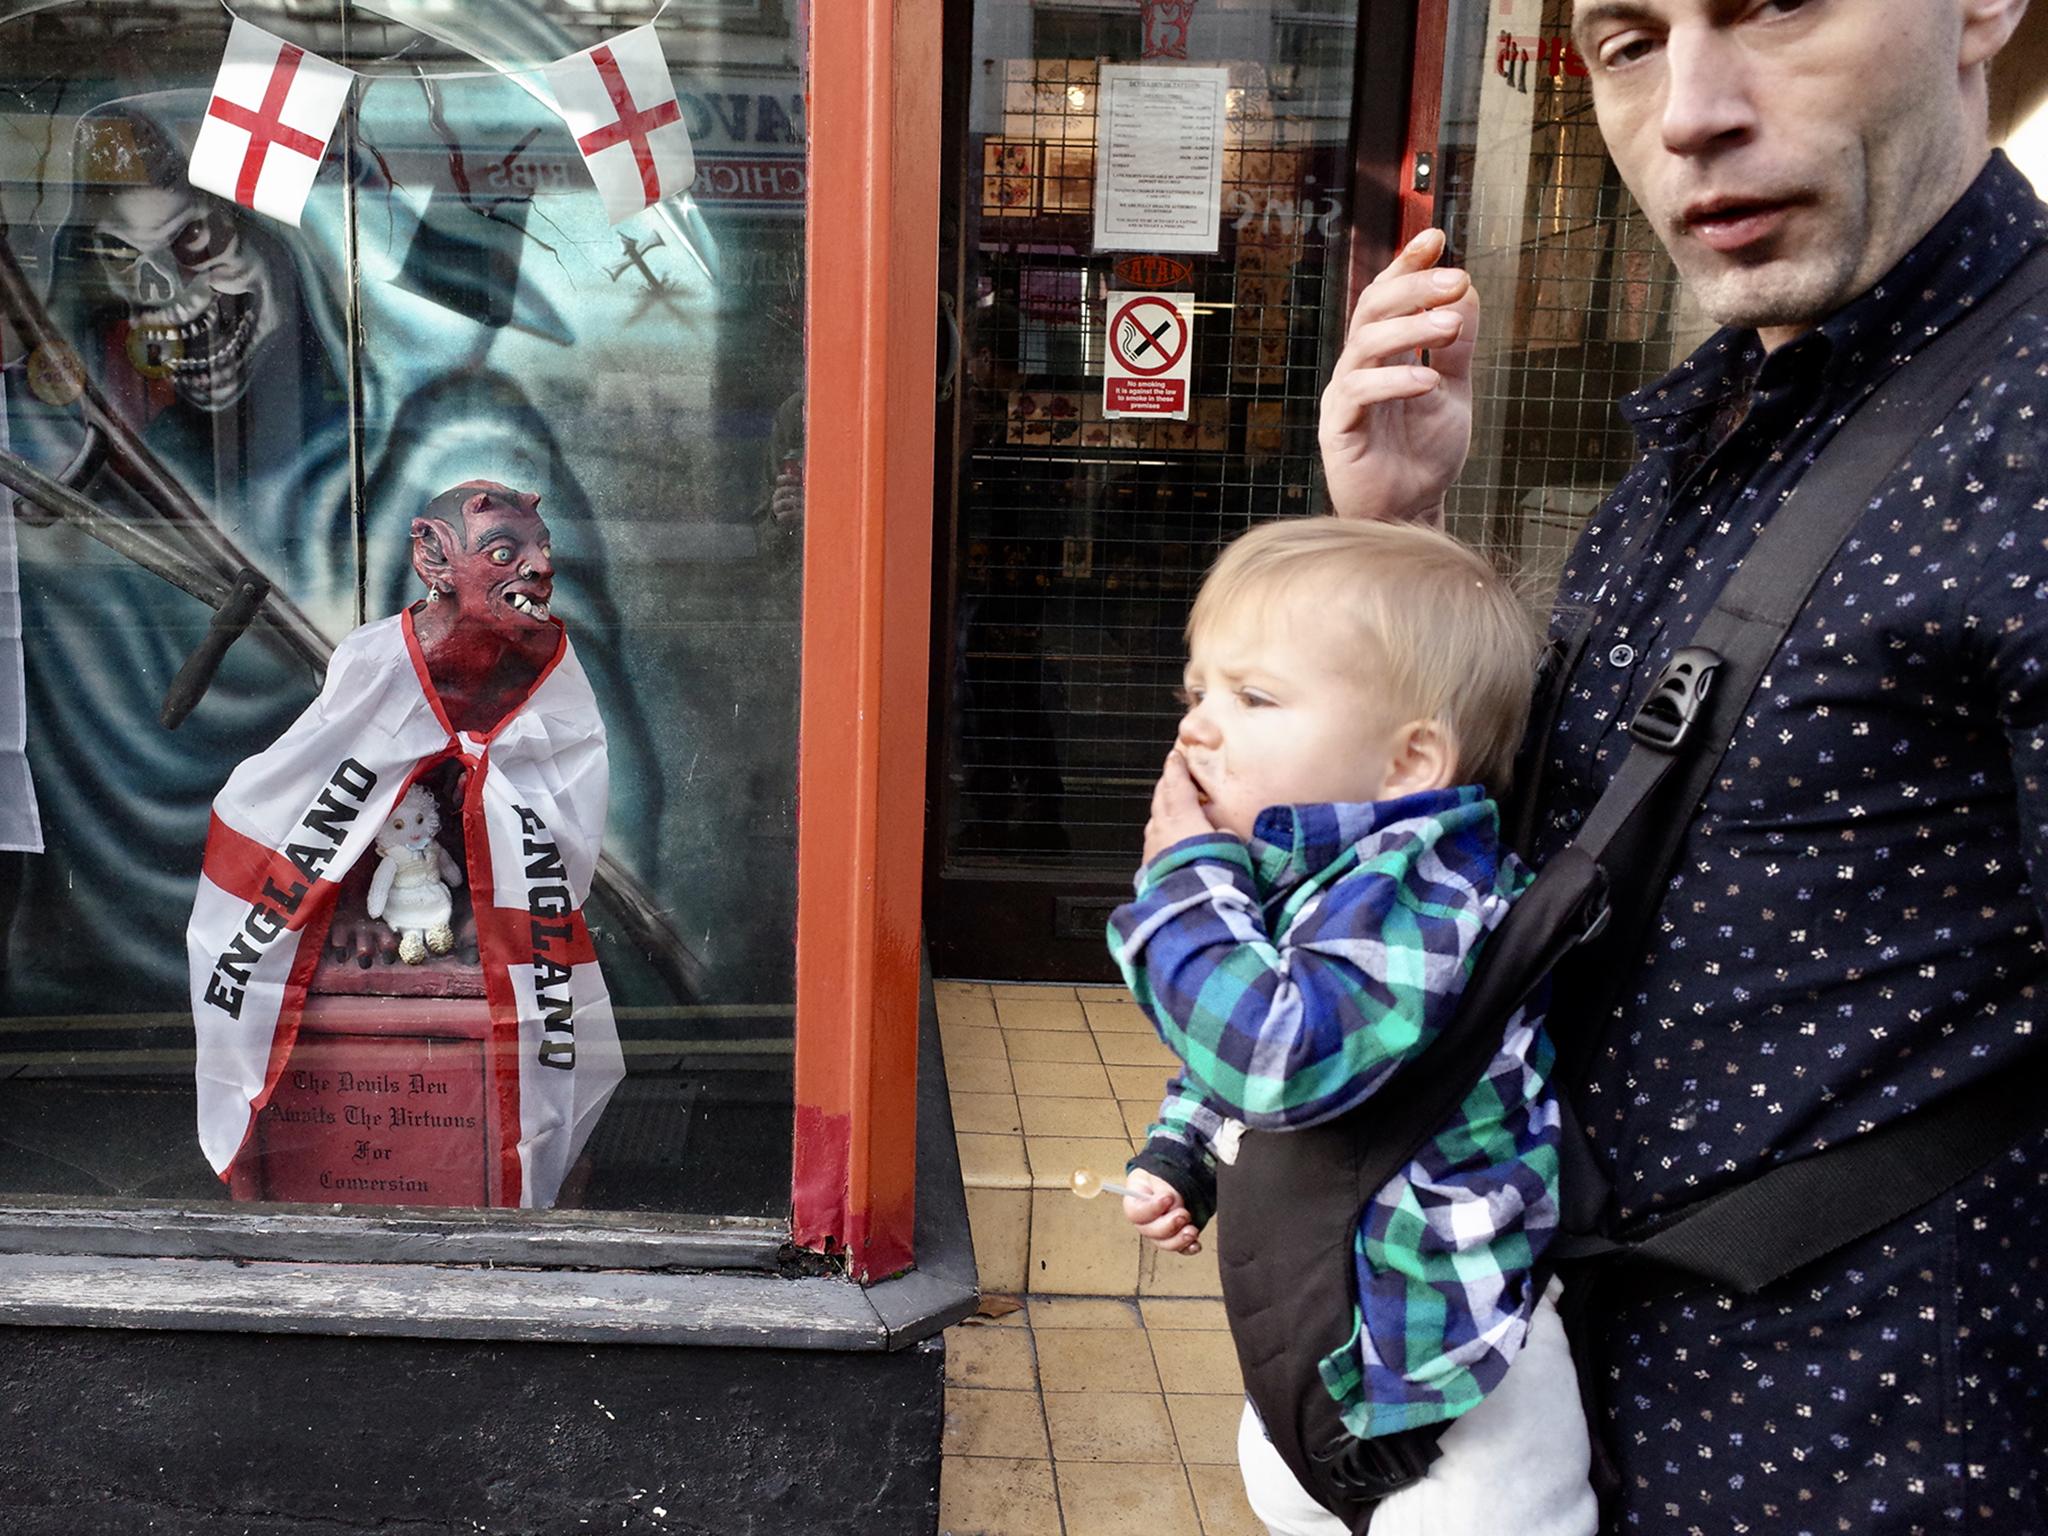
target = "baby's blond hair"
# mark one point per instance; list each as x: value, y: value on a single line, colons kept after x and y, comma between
x: 1427, y: 621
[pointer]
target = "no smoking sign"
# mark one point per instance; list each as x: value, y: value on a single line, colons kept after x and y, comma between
x: 1146, y: 361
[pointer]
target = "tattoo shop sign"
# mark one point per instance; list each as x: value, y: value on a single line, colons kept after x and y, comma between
x: 1147, y: 356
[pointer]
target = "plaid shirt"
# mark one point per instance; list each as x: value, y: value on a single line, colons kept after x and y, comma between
x: 1292, y: 976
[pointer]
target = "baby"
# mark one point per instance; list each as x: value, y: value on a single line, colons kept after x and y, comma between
x: 1321, y: 866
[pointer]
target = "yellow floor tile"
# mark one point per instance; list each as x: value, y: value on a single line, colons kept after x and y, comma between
x: 1141, y: 1082
x: 1050, y: 1045
x: 1072, y: 1117
x: 1071, y: 1079
x: 988, y: 1496
x: 992, y: 1161
x: 941, y: 990
x: 1040, y: 1013
x: 979, y: 1074
x: 1135, y: 1050
x: 1138, y: 1115
x: 999, y: 1225
x: 990, y: 1357
x: 981, y: 1421
x: 1206, y: 1426
x: 1179, y: 1274
x: 1095, y: 1360
x: 1111, y: 992
x: 990, y: 1114
x: 1053, y: 1160
x: 1078, y: 1248
x: 966, y: 1012
x: 1220, y: 1501
x: 1099, y: 1499
x: 1110, y: 1426
x: 1117, y: 1016
x: 1083, y: 1312
x: 960, y: 1041
x: 1030, y: 989
x: 1166, y: 1312
x: 1196, y: 1362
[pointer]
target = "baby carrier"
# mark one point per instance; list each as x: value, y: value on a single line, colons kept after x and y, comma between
x: 1294, y: 1198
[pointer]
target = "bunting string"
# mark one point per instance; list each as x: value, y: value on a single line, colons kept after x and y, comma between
x: 274, y: 106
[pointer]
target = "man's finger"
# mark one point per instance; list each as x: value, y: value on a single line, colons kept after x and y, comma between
x: 1346, y: 400
x: 1411, y: 294
x: 1399, y: 338
x: 1424, y: 250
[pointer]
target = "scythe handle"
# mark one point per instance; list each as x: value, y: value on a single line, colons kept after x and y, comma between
x: 244, y: 601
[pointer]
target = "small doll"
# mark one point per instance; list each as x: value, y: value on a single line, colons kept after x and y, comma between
x: 409, y: 891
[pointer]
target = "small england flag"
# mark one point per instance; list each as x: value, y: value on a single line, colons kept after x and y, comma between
x: 266, y: 130
x: 621, y: 109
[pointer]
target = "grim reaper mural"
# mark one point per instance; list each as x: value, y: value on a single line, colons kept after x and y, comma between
x: 282, y: 402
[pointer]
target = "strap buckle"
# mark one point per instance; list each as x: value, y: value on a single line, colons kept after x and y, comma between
x: 1677, y: 699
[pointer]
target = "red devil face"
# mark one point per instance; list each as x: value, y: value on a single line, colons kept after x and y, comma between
x: 504, y: 574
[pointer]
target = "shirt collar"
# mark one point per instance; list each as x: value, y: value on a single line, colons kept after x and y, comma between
x: 1290, y: 843
x: 1964, y: 256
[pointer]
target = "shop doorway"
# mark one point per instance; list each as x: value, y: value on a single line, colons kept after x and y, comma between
x: 1071, y: 539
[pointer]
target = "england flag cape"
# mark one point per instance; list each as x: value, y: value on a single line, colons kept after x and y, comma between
x: 294, y: 819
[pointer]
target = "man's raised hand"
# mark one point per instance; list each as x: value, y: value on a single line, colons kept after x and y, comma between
x: 1395, y: 433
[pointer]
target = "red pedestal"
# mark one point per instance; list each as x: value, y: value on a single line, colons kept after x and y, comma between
x: 384, y: 1101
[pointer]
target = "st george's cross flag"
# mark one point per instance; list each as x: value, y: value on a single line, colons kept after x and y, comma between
x: 620, y: 105
x: 266, y: 129
x: 293, y: 820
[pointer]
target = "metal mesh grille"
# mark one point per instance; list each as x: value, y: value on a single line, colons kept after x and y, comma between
x: 1081, y: 541
x: 1580, y: 303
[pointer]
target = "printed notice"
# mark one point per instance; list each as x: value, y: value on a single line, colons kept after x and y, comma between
x: 1159, y: 158
x: 1146, y: 363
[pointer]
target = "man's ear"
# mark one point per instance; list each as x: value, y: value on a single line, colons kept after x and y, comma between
x: 1421, y: 756
x: 1988, y: 25
x: 433, y: 553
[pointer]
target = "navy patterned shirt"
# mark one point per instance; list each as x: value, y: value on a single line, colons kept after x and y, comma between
x: 1852, y: 924
x: 1853, y: 927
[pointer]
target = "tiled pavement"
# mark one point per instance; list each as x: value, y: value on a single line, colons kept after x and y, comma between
x: 1105, y: 1401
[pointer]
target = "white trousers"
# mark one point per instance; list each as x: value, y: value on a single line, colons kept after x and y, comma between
x: 1517, y: 1462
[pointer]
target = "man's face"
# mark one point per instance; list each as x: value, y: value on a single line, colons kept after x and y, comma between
x: 1276, y: 717
x: 505, y: 573
x: 1788, y: 152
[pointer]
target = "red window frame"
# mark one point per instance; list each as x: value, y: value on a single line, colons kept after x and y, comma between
x: 871, y: 338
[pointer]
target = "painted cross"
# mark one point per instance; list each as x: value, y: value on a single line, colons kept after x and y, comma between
x: 620, y: 105
x: 266, y: 129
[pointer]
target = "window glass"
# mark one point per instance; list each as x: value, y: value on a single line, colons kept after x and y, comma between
x: 1580, y: 303
x: 564, y: 784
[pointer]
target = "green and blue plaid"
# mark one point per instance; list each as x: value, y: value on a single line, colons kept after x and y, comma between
x: 1292, y: 976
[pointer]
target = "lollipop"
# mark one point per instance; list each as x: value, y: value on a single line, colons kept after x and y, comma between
x: 1087, y: 1183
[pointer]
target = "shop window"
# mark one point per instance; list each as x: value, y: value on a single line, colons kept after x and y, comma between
x: 497, y: 1015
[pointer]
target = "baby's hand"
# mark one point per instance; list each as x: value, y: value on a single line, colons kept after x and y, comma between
x: 1156, y: 1210
x: 1177, y: 812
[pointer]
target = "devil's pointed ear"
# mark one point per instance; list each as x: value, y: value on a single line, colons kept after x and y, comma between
x: 433, y: 552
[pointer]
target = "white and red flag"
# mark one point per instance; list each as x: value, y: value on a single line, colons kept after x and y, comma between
x: 266, y: 130
x: 620, y: 105
x: 295, y: 818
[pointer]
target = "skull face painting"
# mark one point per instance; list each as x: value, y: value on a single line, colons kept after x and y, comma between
x: 201, y: 300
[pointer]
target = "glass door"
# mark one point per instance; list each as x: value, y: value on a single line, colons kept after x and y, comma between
x: 1204, y: 152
